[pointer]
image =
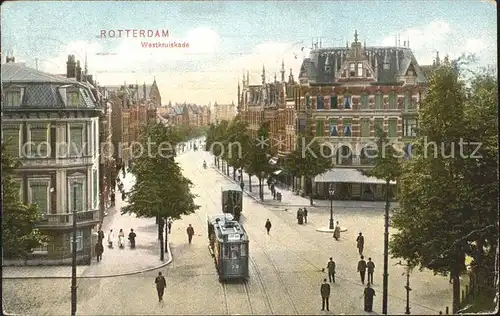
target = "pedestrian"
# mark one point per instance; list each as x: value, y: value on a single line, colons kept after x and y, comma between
x: 169, y: 224
x: 360, y: 243
x: 369, y: 293
x: 121, y: 238
x: 362, y: 269
x: 305, y: 215
x: 268, y: 226
x: 336, y: 231
x: 100, y: 235
x: 99, y: 249
x: 300, y: 216
x: 131, y: 238
x: 325, y: 295
x: 370, y: 267
x: 110, y: 238
x: 161, y: 284
x: 331, y: 270
x: 190, y: 233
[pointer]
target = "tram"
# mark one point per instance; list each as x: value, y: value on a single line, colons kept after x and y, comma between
x: 232, y: 200
x: 228, y: 244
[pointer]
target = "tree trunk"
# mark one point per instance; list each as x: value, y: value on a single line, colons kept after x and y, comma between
x: 166, y: 236
x: 250, y: 182
x: 310, y: 191
x: 261, y: 195
x: 456, y: 292
x: 293, y: 183
x: 234, y: 173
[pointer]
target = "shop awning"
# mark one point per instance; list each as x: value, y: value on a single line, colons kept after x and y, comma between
x: 277, y: 172
x: 347, y: 175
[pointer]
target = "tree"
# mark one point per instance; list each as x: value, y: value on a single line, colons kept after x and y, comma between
x: 238, y: 144
x: 19, y: 232
x: 308, y: 160
x: 386, y: 166
x: 258, y: 156
x: 444, y: 206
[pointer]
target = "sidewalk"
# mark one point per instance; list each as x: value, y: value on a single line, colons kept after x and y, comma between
x: 116, y: 261
x: 292, y: 200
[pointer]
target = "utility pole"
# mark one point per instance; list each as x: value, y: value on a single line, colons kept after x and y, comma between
x: 386, y: 250
x: 161, y: 224
x: 73, y: 261
x: 407, y: 286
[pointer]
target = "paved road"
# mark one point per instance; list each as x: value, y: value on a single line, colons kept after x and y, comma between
x: 285, y: 271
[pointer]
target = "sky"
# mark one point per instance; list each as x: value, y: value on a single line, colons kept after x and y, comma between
x: 229, y: 38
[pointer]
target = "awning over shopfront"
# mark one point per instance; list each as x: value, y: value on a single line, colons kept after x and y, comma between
x: 273, y: 160
x: 348, y: 175
x: 277, y: 172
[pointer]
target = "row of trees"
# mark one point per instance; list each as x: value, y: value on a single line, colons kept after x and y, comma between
x: 448, y: 199
x: 233, y: 144
x: 160, y: 190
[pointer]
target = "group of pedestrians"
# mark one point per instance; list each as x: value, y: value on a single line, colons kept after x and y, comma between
x: 362, y: 268
x: 99, y: 247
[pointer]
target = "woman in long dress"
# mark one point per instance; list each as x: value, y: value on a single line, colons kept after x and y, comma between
x: 121, y: 238
x: 336, y: 232
x: 110, y: 238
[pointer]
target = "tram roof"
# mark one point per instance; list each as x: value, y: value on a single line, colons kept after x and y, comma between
x: 231, y: 187
x: 228, y: 230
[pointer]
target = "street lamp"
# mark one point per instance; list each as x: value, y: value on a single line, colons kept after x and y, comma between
x: 73, y: 250
x: 331, y: 191
x: 407, y: 286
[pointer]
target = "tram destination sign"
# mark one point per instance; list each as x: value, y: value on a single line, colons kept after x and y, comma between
x: 233, y: 237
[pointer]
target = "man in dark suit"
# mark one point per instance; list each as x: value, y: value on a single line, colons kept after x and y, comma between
x: 161, y: 284
x: 325, y: 295
x: 362, y: 269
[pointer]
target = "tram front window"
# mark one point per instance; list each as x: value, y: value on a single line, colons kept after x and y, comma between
x: 231, y: 251
x: 243, y: 250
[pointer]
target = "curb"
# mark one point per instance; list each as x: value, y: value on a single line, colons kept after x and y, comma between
x: 328, y: 230
x: 98, y: 276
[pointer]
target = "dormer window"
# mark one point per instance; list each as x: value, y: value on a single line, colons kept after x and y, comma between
x: 347, y: 102
x: 13, y: 98
x: 360, y: 70
x: 352, y: 70
x: 73, y: 98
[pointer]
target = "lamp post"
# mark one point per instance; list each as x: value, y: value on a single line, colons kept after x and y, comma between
x: 161, y: 224
x: 385, y: 285
x: 407, y: 286
x: 331, y: 191
x: 73, y: 250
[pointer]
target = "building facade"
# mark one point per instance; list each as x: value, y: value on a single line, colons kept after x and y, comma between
x: 186, y: 114
x: 223, y: 112
x: 343, y: 93
x: 51, y: 123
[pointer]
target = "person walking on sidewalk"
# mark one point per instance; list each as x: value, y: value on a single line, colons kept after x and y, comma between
x: 305, y: 215
x: 169, y: 224
x: 110, y: 238
x: 131, y: 238
x: 360, y: 241
x: 161, y: 284
x: 331, y: 270
x: 99, y: 249
x: 268, y: 226
x: 190, y: 233
x: 369, y: 293
x: 370, y: 267
x: 362, y: 269
x: 336, y: 231
x: 325, y: 295
x: 100, y: 235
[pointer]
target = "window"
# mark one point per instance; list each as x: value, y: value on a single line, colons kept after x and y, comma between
x: 352, y: 70
x: 95, y: 187
x: 79, y: 240
x: 76, y: 194
x: 334, y: 102
x: 364, y: 101
x: 410, y: 127
x: 73, y: 98
x: 393, y: 127
x: 365, y: 127
x: 39, y: 194
x: 243, y: 250
x: 360, y: 70
x: 13, y: 98
x: 347, y: 101
x: 76, y: 139
x: 308, y: 101
x: 378, y: 122
x: 11, y: 135
x: 234, y: 251
x: 320, y: 102
x: 379, y: 101
x: 302, y: 125
x: 347, y: 128
x: 38, y: 141
x: 320, y: 128
x: 392, y: 100
x: 332, y: 127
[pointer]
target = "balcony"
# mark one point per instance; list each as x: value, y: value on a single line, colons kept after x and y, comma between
x: 65, y: 220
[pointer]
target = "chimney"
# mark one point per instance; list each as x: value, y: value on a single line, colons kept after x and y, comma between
x: 10, y: 59
x: 90, y: 79
x: 71, y: 67
x: 78, y: 72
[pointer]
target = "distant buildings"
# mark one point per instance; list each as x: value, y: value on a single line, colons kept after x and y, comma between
x: 342, y: 93
x: 51, y: 123
x: 185, y: 114
x: 223, y: 112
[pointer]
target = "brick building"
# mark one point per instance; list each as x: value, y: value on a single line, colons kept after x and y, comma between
x: 223, y: 112
x: 186, y: 114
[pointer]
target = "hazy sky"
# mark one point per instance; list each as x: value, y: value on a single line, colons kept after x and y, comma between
x: 229, y: 37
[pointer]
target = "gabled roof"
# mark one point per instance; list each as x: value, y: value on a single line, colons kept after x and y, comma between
x: 18, y: 72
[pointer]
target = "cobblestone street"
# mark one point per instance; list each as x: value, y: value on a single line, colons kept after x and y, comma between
x: 285, y: 270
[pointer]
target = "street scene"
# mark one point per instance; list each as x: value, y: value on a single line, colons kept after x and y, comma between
x: 249, y: 158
